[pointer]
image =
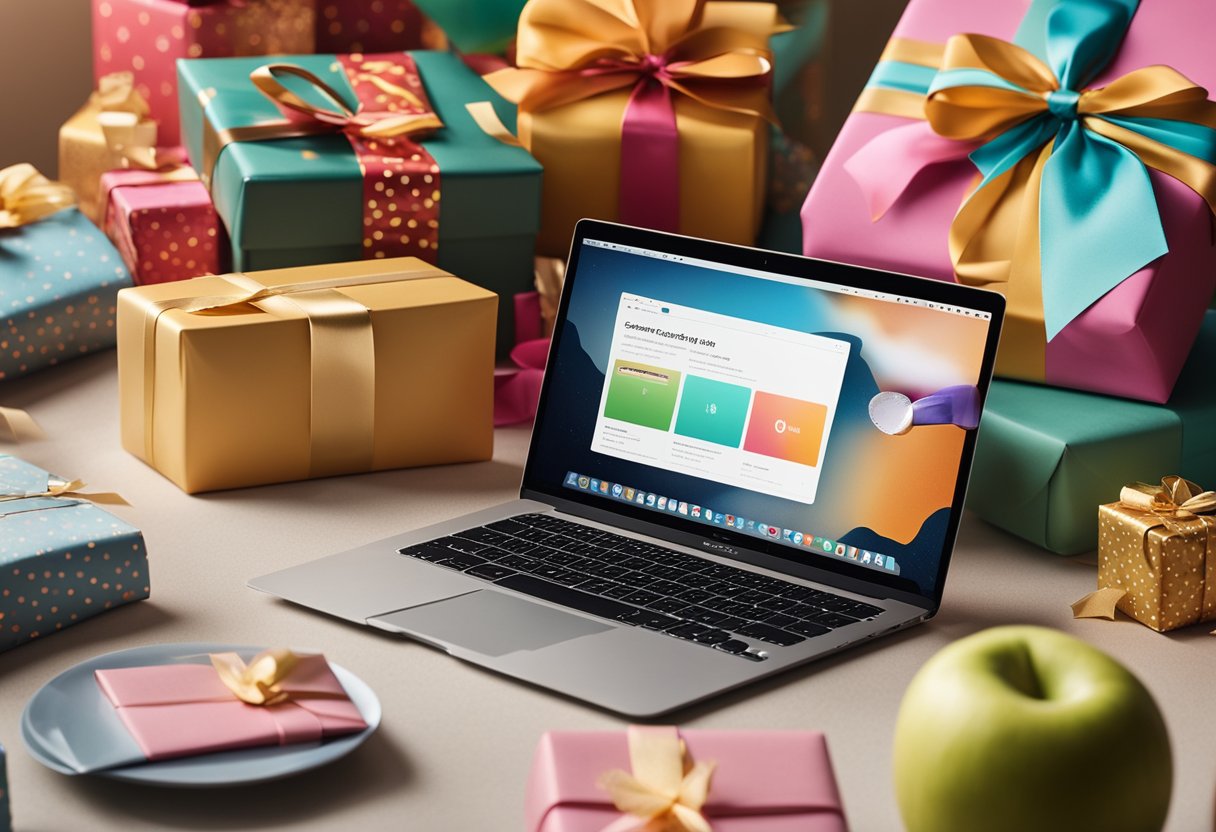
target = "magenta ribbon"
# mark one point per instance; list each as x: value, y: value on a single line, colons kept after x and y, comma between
x: 650, y: 152
x: 517, y: 389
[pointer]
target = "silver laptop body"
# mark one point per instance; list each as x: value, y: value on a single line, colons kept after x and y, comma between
x: 619, y: 594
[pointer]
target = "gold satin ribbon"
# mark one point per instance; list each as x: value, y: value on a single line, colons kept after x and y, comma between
x: 307, y: 119
x: 129, y: 133
x: 994, y: 238
x: 18, y: 426
x: 56, y: 489
x: 260, y: 681
x: 27, y: 196
x: 665, y: 790
x: 571, y: 50
x: 342, y: 355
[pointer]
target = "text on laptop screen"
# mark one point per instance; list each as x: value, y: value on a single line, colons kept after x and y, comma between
x: 776, y: 407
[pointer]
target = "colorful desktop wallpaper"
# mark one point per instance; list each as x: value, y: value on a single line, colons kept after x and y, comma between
x: 887, y: 493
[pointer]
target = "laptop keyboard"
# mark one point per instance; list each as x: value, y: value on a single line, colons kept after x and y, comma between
x: 622, y: 579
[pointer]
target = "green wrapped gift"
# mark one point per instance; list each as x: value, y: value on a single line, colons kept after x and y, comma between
x: 457, y: 196
x: 1047, y: 457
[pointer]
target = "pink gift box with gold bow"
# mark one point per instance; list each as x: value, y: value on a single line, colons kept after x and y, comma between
x: 758, y: 781
x: 183, y: 710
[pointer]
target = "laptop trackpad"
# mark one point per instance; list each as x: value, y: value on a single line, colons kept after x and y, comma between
x: 490, y: 623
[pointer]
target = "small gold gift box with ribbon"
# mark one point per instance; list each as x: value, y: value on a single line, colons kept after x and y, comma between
x: 112, y: 131
x: 1157, y: 546
x: 248, y: 379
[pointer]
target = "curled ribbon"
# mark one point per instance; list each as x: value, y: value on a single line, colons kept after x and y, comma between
x: 1063, y: 209
x: 571, y: 50
x: 260, y: 681
x: 665, y: 791
x: 129, y: 133
x: 412, y: 118
x: 27, y: 196
x: 18, y: 426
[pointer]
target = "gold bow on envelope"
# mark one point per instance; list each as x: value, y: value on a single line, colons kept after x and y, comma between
x: 27, y: 196
x: 1157, y: 556
x: 260, y: 681
x: 665, y: 791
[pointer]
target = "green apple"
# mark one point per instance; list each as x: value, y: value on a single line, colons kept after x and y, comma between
x: 1026, y: 729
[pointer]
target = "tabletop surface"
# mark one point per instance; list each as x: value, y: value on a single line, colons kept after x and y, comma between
x: 456, y: 743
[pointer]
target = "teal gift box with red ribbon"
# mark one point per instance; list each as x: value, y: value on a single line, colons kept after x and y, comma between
x: 1061, y: 152
x: 321, y: 159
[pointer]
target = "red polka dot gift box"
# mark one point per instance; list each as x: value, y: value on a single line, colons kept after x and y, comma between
x: 62, y: 558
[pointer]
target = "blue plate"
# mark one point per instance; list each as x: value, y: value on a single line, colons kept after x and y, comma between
x: 69, y: 726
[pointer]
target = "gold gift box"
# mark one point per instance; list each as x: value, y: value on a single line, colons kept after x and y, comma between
x: 723, y: 157
x: 240, y: 380
x: 1166, y: 567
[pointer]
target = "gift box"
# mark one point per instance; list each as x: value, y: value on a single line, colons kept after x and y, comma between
x: 662, y: 127
x: 62, y: 558
x: 455, y: 196
x: 476, y: 26
x: 59, y: 277
x: 1045, y: 457
x: 758, y: 781
x: 147, y: 37
x: 1157, y: 545
x: 1066, y: 170
x: 111, y: 131
x: 184, y: 710
x: 248, y: 379
x: 346, y: 26
x: 164, y: 226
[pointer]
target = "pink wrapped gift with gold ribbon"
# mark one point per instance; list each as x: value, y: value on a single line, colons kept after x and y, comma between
x: 1061, y: 152
x: 183, y: 710
x: 655, y: 777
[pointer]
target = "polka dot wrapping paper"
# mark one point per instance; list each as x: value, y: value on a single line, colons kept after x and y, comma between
x: 147, y: 37
x: 1168, y: 570
x: 59, y: 280
x: 164, y: 231
x: 61, y: 560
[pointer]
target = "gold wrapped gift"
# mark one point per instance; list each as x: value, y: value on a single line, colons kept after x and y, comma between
x: 111, y: 131
x: 248, y: 379
x: 582, y: 63
x: 1157, y: 546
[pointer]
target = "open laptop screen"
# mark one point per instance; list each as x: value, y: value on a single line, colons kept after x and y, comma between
x: 774, y: 407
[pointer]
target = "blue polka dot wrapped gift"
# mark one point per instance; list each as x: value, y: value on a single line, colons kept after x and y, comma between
x: 59, y: 276
x: 62, y: 558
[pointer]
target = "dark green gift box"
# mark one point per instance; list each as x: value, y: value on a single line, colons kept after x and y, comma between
x: 299, y: 201
x: 1047, y: 457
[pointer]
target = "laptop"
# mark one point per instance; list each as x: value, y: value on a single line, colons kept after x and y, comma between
x: 741, y: 461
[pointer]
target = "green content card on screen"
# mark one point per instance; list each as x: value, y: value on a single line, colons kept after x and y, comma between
x: 642, y: 394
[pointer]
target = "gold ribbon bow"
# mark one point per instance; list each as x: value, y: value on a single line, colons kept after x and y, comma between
x: 985, y: 239
x: 57, y: 488
x: 128, y: 131
x: 27, y: 196
x: 308, y: 119
x: 666, y: 791
x: 260, y: 681
x: 570, y: 50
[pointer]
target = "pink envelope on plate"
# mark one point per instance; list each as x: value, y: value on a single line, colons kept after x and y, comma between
x: 183, y: 710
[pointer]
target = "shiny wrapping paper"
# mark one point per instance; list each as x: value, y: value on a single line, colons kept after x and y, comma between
x: 301, y: 201
x: 1167, y: 569
x: 230, y: 397
x: 164, y: 231
x: 1045, y: 457
x: 1131, y: 341
x: 722, y: 154
x: 147, y: 37
x: 59, y: 278
x: 762, y: 781
x: 62, y: 560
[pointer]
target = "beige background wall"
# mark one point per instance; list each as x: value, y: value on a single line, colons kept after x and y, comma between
x: 45, y: 75
x: 46, y: 68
